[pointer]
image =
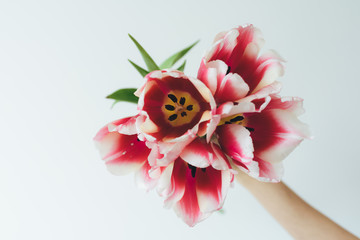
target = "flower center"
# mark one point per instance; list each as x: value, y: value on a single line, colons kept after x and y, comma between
x: 179, y: 108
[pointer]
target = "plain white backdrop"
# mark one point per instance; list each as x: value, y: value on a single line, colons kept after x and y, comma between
x: 59, y: 59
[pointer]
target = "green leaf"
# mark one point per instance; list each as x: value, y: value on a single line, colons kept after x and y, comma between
x: 114, y: 103
x: 125, y: 94
x: 221, y: 211
x: 142, y: 71
x: 182, y: 67
x: 168, y: 63
x: 148, y: 60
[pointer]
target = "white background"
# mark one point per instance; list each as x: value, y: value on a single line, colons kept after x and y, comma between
x: 59, y: 59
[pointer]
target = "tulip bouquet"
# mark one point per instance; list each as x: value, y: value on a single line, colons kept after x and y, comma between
x: 191, y: 135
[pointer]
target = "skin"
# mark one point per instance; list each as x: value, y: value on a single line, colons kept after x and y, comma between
x: 298, y: 218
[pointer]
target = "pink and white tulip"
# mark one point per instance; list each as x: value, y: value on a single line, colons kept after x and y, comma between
x: 171, y: 106
x: 239, y: 50
x: 261, y: 140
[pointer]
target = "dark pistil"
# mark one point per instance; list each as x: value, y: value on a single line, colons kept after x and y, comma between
x: 183, y: 114
x: 193, y: 170
x: 172, y: 117
x: 250, y: 129
x: 228, y: 70
x: 172, y: 97
x: 237, y: 118
x: 170, y: 107
x: 182, y: 100
x: 189, y: 108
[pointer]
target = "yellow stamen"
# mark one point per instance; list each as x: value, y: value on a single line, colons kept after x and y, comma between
x: 179, y: 108
x: 234, y: 119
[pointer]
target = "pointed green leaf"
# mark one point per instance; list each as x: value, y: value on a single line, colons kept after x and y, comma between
x: 148, y: 60
x: 182, y: 67
x: 168, y: 63
x: 125, y: 94
x: 142, y: 71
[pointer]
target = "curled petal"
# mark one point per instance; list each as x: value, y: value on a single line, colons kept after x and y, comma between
x: 235, y: 45
x: 255, y: 102
x: 197, y: 153
x: 270, y: 172
x: 201, y: 154
x: 127, y: 127
x: 225, y: 87
x: 232, y: 88
x: 251, y: 168
x: 163, y: 153
x: 236, y: 142
x: 143, y: 178
x: 270, y: 68
x: 223, y: 46
x: 165, y: 188
x: 113, y: 125
x: 211, y: 126
x: 212, y: 73
x: 292, y: 104
x: 121, y: 153
x: 262, y: 170
x: 220, y: 161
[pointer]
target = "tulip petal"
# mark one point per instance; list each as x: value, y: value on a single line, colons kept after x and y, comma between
x: 223, y: 47
x: 105, y: 130
x: 121, y: 153
x: 251, y: 168
x: 164, y: 186
x: 232, y: 88
x: 269, y: 69
x: 163, y: 153
x: 197, y: 154
x: 276, y: 133
x: 211, y: 188
x: 212, y: 73
x: 187, y: 206
x: 211, y: 126
x: 236, y: 142
x: 178, y: 184
x: 193, y: 192
x: 292, y: 104
x: 143, y: 179
x: 220, y: 161
x: 270, y: 172
x: 127, y: 127
x: 255, y: 102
